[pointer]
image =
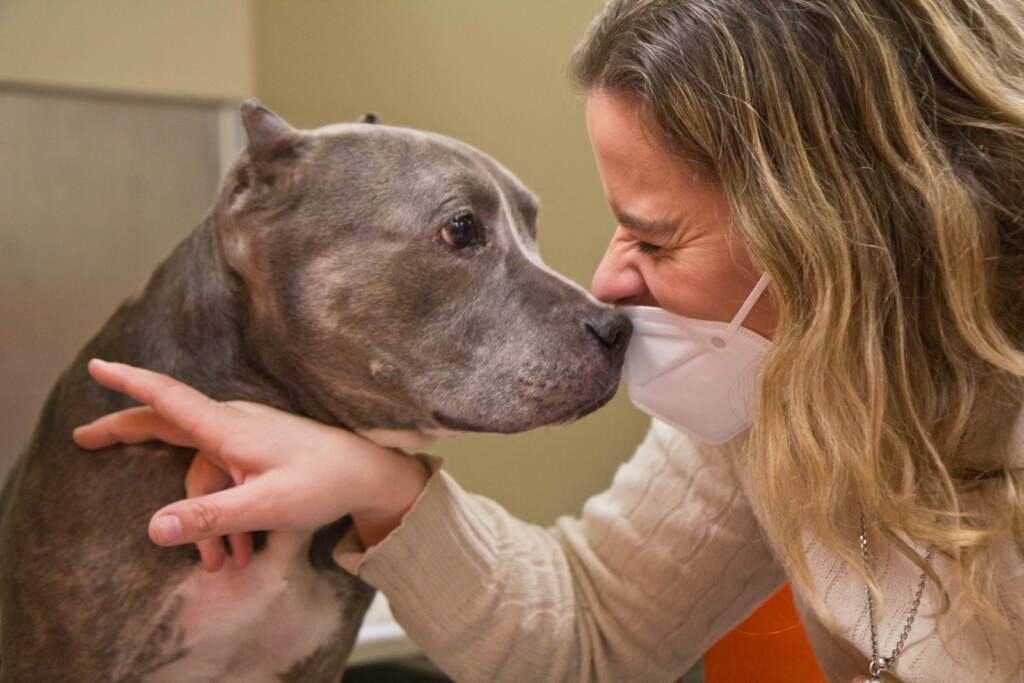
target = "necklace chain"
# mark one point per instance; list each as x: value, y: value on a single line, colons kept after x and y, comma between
x: 878, y: 664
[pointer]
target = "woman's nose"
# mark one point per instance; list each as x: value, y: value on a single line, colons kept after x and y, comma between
x: 617, y: 279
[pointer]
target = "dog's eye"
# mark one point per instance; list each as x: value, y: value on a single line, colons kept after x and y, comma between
x: 463, y: 231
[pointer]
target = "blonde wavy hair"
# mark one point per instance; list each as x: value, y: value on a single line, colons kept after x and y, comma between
x: 873, y: 155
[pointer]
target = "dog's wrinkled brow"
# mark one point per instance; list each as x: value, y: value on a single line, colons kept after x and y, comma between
x: 529, y: 205
x: 467, y: 194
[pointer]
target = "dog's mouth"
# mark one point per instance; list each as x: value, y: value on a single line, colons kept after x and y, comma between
x: 572, y: 416
x: 544, y: 419
x: 462, y: 425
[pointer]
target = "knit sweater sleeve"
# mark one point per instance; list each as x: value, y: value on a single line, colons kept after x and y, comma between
x: 655, y: 570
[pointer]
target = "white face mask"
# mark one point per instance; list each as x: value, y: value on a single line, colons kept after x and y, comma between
x: 696, y: 375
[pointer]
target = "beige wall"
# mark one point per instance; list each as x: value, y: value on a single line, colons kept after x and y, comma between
x: 190, y: 48
x: 116, y: 126
x: 491, y: 73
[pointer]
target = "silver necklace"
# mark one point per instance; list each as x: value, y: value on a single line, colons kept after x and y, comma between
x: 879, y: 664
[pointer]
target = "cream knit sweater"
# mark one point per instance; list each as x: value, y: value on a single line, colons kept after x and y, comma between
x: 657, y: 569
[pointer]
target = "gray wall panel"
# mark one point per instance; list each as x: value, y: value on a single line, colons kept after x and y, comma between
x: 94, y: 192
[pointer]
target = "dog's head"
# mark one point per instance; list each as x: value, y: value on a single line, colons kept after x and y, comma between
x: 393, y: 283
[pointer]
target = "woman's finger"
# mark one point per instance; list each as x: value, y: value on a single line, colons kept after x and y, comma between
x: 133, y: 425
x: 241, y: 548
x: 212, y: 553
x: 204, y: 477
x: 234, y: 510
x: 191, y: 410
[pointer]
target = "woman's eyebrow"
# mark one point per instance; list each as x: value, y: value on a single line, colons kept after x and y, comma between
x: 648, y: 226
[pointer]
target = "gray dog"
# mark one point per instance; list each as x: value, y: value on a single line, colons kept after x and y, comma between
x: 377, y: 278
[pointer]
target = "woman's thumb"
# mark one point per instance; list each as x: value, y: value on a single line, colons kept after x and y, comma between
x: 216, y: 514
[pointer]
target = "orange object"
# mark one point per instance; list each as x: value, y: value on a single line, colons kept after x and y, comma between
x: 769, y: 647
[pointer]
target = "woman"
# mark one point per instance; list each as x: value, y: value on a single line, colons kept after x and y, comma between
x: 865, y: 157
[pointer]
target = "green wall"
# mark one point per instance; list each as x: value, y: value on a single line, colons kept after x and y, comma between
x: 494, y: 75
x: 182, y: 49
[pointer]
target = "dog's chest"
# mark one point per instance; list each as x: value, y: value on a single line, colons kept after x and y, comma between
x: 255, y: 623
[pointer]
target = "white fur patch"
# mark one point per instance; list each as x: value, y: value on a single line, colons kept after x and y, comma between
x: 248, y: 625
x: 407, y: 439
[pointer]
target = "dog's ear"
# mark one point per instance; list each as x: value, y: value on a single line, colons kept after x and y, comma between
x: 268, y: 162
x: 270, y: 136
x: 368, y: 117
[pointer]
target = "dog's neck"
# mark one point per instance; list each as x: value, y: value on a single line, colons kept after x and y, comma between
x: 193, y: 322
x: 190, y: 323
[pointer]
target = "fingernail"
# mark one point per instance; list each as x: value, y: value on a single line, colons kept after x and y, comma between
x: 167, y: 529
x: 96, y: 364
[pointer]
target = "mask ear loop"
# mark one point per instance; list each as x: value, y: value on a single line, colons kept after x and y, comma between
x: 741, y: 315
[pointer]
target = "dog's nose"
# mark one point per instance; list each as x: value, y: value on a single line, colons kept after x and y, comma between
x: 611, y: 328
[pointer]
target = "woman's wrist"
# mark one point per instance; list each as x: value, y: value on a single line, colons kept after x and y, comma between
x: 397, y: 481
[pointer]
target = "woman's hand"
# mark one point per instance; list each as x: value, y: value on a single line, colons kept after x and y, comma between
x: 256, y: 468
